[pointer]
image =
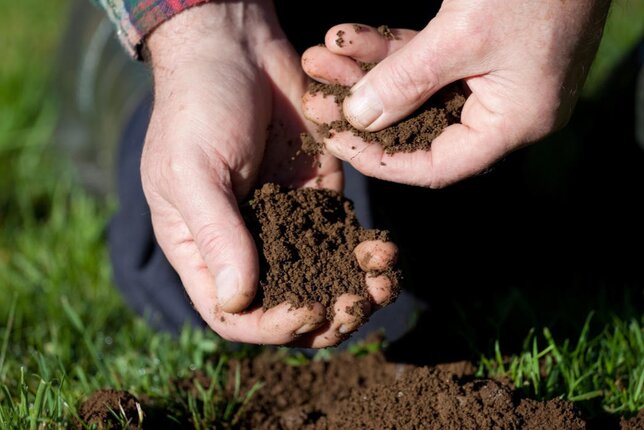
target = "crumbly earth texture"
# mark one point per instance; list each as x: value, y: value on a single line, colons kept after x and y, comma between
x: 104, y: 407
x: 414, y: 133
x: 305, y: 238
x: 367, y: 392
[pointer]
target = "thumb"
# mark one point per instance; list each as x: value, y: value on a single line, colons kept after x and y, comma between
x: 400, y: 84
x: 223, y: 245
x: 228, y: 250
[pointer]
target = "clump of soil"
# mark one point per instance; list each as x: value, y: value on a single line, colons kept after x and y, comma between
x: 386, y: 32
x: 306, y: 239
x: 340, y: 40
x: 412, y: 134
x: 310, y: 145
x: 358, y: 28
x: 104, y: 407
x: 366, y: 66
x: 339, y: 92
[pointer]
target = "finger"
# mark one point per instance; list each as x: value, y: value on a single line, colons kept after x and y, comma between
x: 350, y: 312
x: 326, y: 67
x: 276, y: 326
x: 404, y: 80
x: 329, y: 181
x: 226, y: 257
x: 320, y: 108
x: 460, y: 151
x: 376, y: 255
x: 380, y: 288
x: 365, y: 43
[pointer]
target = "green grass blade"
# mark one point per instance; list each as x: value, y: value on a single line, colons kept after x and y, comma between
x: 43, y: 387
x: 7, y: 335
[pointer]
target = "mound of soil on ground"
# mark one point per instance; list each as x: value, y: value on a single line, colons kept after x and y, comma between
x: 104, y: 407
x: 367, y: 392
x: 306, y: 239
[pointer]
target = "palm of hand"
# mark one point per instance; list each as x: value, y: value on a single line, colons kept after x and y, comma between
x: 206, y: 147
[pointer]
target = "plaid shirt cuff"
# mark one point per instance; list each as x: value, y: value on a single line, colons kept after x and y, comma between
x: 135, y: 19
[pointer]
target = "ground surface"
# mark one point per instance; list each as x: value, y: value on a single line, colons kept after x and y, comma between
x: 361, y: 392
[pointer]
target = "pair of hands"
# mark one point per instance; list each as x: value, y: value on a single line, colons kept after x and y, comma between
x: 229, y: 94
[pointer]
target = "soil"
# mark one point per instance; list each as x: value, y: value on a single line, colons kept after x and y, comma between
x: 366, y: 66
x: 339, y: 92
x: 412, y: 134
x: 340, y: 40
x: 634, y: 423
x: 349, y: 392
x: 358, y: 28
x: 306, y: 239
x: 386, y: 32
x: 100, y: 409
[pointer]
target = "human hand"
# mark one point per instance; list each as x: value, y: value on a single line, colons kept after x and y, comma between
x: 524, y: 63
x: 226, y: 115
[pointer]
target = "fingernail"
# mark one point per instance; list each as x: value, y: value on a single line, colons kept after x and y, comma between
x: 363, y: 106
x: 344, y: 329
x: 306, y: 328
x: 227, y: 284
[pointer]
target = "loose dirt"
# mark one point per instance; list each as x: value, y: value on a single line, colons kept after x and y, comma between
x: 306, y: 239
x: 104, y: 407
x: 412, y: 134
x: 367, y: 392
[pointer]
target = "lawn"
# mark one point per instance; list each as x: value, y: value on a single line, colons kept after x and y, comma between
x: 65, y: 332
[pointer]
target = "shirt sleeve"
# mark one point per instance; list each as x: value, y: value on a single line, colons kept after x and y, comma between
x: 135, y: 19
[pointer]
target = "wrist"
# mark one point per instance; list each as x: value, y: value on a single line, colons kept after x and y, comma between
x: 206, y: 32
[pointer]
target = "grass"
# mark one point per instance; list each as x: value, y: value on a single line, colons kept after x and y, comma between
x: 607, y: 367
x: 65, y: 332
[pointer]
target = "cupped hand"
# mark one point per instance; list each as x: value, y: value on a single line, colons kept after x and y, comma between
x: 226, y: 116
x: 524, y: 63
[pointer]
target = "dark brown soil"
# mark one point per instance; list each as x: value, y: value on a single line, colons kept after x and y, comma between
x: 366, y: 66
x: 340, y: 40
x: 431, y: 399
x: 358, y: 28
x: 310, y: 145
x: 635, y: 423
x: 386, y: 32
x: 366, y: 392
x: 412, y: 134
x: 306, y: 239
x: 339, y: 92
x: 369, y: 393
x: 100, y: 409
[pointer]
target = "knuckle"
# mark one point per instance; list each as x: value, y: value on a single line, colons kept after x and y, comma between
x: 211, y: 240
